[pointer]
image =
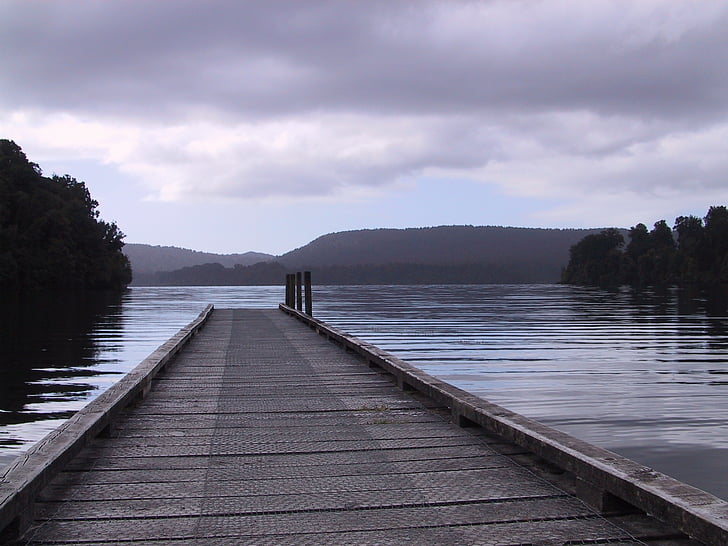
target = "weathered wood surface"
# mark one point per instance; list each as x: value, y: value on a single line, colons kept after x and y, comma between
x: 22, y: 480
x: 604, y: 479
x: 262, y: 432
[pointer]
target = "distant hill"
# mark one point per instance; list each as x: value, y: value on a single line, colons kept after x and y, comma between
x: 445, y: 254
x: 146, y: 259
x: 547, y: 249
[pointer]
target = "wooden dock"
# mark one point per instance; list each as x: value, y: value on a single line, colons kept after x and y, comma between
x: 261, y: 431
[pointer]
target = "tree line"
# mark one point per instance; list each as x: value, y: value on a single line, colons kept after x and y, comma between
x: 50, y: 232
x: 443, y: 245
x: 693, y: 251
x: 273, y: 273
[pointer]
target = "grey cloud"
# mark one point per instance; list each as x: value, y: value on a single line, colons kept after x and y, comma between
x: 576, y: 96
x: 254, y: 59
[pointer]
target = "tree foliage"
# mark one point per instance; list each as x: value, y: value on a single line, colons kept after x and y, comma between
x: 595, y: 259
x: 443, y: 254
x: 273, y: 273
x: 50, y: 232
x: 694, y: 251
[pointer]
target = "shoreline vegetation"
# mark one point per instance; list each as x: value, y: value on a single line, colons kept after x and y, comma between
x: 271, y: 273
x: 693, y: 252
x: 432, y: 255
x: 51, y: 236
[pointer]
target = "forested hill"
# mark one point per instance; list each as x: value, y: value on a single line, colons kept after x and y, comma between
x: 694, y: 251
x: 446, y: 254
x: 50, y: 232
x: 443, y: 245
x: 147, y: 259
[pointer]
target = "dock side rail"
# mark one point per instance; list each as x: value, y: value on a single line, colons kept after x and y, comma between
x: 22, y: 481
x: 604, y: 479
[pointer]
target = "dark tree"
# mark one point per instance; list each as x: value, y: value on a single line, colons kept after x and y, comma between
x: 637, y: 262
x: 662, y: 255
x: 50, y: 232
x: 698, y: 256
x: 595, y: 259
x: 692, y: 257
x: 716, y: 240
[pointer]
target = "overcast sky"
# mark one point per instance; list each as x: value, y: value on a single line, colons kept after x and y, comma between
x: 231, y: 126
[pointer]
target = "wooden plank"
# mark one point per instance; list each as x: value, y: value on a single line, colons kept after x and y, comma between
x: 605, y: 479
x: 325, y: 451
x: 33, y: 470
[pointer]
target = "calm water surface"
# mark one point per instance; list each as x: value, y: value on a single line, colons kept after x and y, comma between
x: 60, y: 350
x: 642, y: 373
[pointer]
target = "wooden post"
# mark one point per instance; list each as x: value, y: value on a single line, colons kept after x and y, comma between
x: 299, y: 292
x: 292, y: 289
x: 287, y: 301
x: 307, y: 288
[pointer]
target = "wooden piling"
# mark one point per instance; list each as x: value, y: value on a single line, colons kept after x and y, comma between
x: 299, y: 291
x: 288, y: 290
x: 307, y: 289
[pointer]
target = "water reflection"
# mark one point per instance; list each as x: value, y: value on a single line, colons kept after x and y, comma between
x: 642, y: 372
x: 58, y: 350
x: 47, y: 348
x: 49, y: 359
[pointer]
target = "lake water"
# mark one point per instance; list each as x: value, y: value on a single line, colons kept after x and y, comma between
x: 643, y: 373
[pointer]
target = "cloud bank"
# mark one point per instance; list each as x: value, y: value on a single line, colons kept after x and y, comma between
x: 597, y: 104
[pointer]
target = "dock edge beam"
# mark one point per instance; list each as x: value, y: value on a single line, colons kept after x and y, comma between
x: 603, y: 477
x: 23, y: 480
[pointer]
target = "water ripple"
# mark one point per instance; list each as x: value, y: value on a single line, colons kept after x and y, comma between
x: 632, y: 371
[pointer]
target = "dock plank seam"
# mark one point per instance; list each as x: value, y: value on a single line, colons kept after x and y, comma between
x: 604, y: 479
x: 252, y: 480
